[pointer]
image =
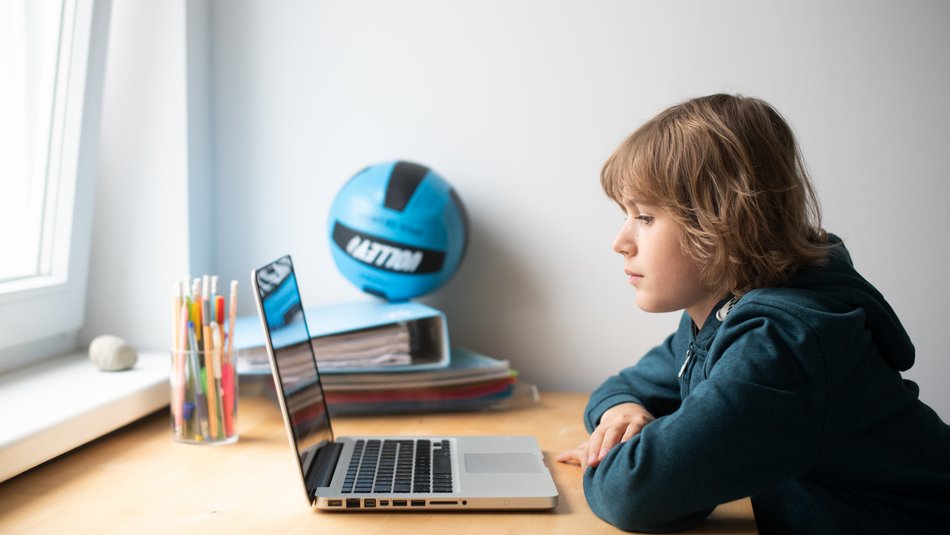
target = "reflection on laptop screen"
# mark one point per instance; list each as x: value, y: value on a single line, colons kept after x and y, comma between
x: 295, y: 363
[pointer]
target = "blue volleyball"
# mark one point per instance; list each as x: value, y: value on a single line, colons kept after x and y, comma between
x: 398, y: 230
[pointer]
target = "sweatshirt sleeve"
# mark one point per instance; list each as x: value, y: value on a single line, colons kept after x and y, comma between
x: 755, y: 421
x: 651, y: 382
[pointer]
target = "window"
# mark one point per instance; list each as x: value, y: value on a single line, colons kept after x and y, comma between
x: 52, y: 56
x: 28, y: 53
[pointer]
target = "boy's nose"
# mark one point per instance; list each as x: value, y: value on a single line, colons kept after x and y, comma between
x: 624, y: 243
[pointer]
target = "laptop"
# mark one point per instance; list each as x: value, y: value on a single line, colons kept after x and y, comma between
x: 383, y: 473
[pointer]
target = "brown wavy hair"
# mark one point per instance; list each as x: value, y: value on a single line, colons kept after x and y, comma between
x: 729, y: 170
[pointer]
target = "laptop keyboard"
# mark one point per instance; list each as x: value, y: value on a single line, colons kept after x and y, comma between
x: 399, y: 466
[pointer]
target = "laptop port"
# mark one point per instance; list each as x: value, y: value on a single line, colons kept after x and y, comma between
x: 369, y: 502
x: 335, y: 503
x: 352, y: 503
x: 399, y: 503
x: 418, y: 503
x: 383, y: 503
x: 443, y: 502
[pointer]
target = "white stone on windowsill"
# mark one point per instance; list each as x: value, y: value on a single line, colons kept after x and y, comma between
x: 59, y: 404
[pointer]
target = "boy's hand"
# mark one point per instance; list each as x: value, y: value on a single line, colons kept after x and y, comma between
x: 618, y: 424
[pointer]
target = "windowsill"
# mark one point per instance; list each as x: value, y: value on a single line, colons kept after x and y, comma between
x: 59, y: 404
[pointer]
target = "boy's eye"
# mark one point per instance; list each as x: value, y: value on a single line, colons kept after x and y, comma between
x: 645, y: 218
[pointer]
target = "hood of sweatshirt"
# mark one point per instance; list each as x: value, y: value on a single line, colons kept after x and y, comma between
x: 838, y: 280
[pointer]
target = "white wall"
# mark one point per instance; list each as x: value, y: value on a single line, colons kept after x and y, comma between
x: 139, y: 216
x: 519, y: 103
x: 154, y: 209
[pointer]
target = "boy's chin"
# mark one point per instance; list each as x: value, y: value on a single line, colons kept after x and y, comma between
x: 653, y: 307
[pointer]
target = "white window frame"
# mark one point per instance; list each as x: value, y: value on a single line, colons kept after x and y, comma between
x: 42, y: 315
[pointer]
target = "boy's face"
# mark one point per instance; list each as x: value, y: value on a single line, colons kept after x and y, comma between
x: 666, y: 279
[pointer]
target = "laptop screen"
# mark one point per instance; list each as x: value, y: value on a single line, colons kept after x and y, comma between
x: 294, y: 361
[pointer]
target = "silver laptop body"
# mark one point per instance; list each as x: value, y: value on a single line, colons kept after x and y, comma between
x: 391, y: 473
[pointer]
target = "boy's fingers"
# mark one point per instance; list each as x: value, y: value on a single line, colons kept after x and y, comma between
x: 611, y: 439
x: 573, y: 456
x: 568, y: 457
x: 594, y: 445
x: 632, y: 429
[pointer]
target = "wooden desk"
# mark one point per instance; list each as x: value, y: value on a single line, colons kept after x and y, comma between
x: 136, y: 480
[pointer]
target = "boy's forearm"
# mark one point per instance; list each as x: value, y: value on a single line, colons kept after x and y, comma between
x: 645, y: 506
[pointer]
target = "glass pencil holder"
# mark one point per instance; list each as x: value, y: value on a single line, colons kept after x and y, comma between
x: 204, y: 397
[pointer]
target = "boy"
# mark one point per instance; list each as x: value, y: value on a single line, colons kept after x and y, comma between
x: 782, y: 381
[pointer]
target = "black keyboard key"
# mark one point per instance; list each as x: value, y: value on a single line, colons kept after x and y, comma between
x: 441, y: 464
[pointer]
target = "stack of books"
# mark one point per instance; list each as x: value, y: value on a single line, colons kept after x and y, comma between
x: 471, y: 381
x: 400, y: 363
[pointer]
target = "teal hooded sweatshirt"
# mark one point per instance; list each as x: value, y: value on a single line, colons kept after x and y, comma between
x: 795, y: 399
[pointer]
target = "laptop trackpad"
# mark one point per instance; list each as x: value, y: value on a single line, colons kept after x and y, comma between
x: 501, y: 463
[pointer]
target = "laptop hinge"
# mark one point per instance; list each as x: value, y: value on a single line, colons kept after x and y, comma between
x: 321, y: 471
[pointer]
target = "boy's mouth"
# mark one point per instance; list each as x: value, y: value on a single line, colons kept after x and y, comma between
x: 632, y: 278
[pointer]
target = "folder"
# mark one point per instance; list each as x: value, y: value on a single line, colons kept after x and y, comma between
x: 358, y: 336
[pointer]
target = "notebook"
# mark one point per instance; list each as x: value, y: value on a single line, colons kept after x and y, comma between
x: 383, y: 473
